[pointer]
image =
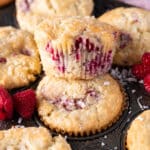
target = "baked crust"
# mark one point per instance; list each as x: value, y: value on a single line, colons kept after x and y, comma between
x: 31, y: 12
x: 76, y: 44
x: 31, y: 138
x: 134, y: 23
x: 4, y: 2
x: 19, y: 58
x: 138, y: 135
x: 79, y: 107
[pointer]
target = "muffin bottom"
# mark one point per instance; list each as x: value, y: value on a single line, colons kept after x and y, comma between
x: 79, y: 107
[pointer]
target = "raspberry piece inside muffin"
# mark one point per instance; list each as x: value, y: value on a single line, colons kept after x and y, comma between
x: 25, y: 5
x: 25, y: 52
x: 124, y: 40
x: 3, y: 60
x: 69, y: 104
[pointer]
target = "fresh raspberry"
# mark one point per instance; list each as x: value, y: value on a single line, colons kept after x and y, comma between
x: 146, y: 69
x: 24, y: 103
x: 146, y: 59
x: 141, y: 70
x: 147, y: 83
x: 138, y: 71
x: 2, y: 115
x: 6, y: 105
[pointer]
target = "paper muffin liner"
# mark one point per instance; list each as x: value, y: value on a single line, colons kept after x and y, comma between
x: 85, y: 59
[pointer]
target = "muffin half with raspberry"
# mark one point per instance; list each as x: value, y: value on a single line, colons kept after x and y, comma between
x: 79, y: 107
x: 76, y: 47
x: 135, y: 36
x: 32, y: 12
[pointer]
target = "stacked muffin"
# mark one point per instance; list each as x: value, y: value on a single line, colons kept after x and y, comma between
x: 77, y: 96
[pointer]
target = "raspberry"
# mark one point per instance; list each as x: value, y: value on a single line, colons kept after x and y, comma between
x: 138, y: 71
x: 147, y: 83
x: 2, y: 115
x: 146, y: 59
x: 6, y: 105
x: 146, y: 69
x: 3, y: 60
x: 25, y: 102
x: 141, y: 70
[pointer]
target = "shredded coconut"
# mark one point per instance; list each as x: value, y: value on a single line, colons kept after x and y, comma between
x: 102, y: 144
x: 146, y: 107
x: 128, y: 120
x: 124, y: 75
x: 138, y: 101
x: 106, y: 83
x: 140, y: 118
x: 133, y: 91
x: 105, y: 136
x: 65, y: 137
x: 130, y: 112
x: 141, y: 81
x: 19, y: 120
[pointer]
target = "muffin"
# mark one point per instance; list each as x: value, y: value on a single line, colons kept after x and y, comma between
x: 76, y: 47
x: 19, y: 58
x: 4, y: 2
x: 134, y: 24
x: 32, y: 12
x: 31, y: 138
x: 138, y: 135
x: 79, y: 107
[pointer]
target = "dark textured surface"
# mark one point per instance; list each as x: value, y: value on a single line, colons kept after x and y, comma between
x: 114, y: 137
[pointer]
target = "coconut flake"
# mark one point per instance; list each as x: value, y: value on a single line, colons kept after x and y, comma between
x: 124, y: 75
x: 115, y: 148
x: 81, y: 103
x: 102, y: 144
x: 141, y: 81
x: 19, y: 120
x: 105, y: 136
x: 140, y: 105
x: 133, y: 91
x: 128, y: 120
x: 65, y: 137
x: 130, y: 112
x: 138, y: 101
x: 106, y: 83
x: 140, y: 118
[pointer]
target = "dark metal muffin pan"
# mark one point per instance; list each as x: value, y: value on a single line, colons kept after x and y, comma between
x: 113, y: 138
